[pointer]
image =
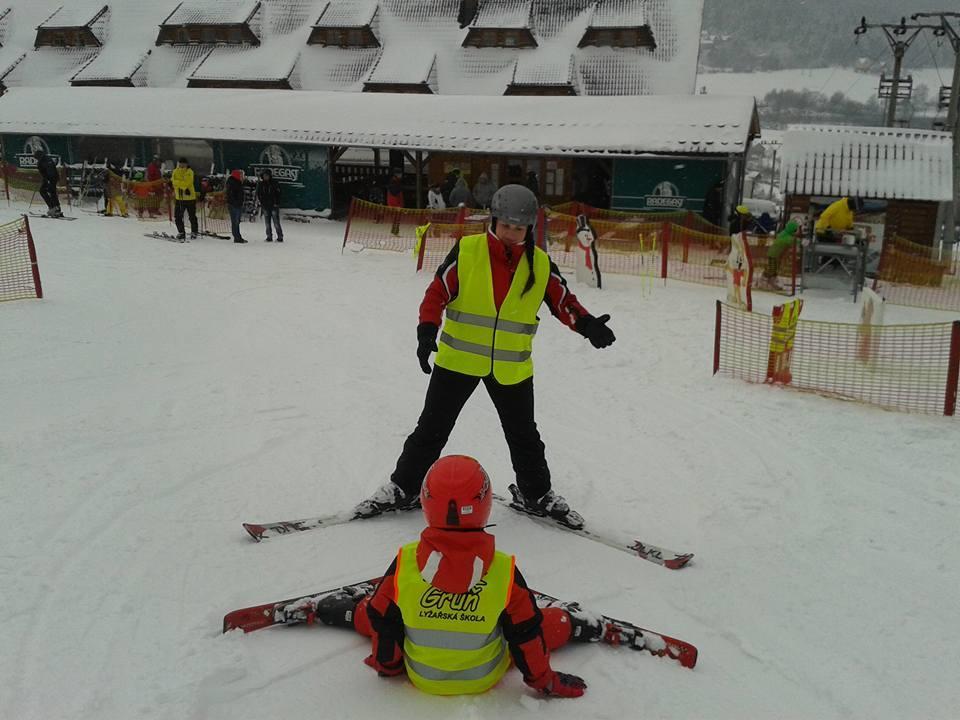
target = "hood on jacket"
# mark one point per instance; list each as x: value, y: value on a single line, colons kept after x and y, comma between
x: 454, y: 560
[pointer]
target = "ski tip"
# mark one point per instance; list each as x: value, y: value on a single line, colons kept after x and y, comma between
x: 678, y: 562
x: 683, y: 652
x: 255, y: 531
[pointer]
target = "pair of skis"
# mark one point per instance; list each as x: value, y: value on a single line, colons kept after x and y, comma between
x: 653, y: 553
x: 50, y: 217
x: 302, y: 610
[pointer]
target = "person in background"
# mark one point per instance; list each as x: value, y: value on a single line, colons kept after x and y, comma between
x: 155, y: 169
x: 743, y: 220
x: 766, y: 223
x: 533, y: 183
x: 395, y: 191
x: 450, y: 653
x: 234, y: 192
x: 483, y: 191
x: 114, y: 190
x: 784, y: 239
x: 460, y: 196
x: 49, y: 176
x: 490, y: 287
x: 449, y: 183
x: 268, y: 194
x: 185, y: 198
x: 435, y: 198
x: 836, y: 219
x: 155, y: 196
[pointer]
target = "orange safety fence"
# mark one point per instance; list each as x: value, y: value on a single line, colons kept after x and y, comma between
x: 652, y: 249
x: 19, y: 271
x: 909, y: 275
x: 684, y: 218
x: 439, y: 239
x: 910, y: 368
x: 214, y: 215
x: 379, y: 227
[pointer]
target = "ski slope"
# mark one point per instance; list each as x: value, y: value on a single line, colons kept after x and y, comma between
x: 162, y: 393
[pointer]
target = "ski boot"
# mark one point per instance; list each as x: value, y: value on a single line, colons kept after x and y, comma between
x: 338, y: 608
x: 389, y: 497
x: 587, y: 627
x: 550, y: 505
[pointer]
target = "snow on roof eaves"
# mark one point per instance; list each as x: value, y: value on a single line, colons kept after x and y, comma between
x: 407, y: 67
x: 237, y: 63
x: 119, y: 64
x: 619, y: 14
x: 607, y: 126
x: 506, y: 14
x: 218, y: 12
x: 881, y: 163
x: 558, y: 71
x: 348, y: 13
x: 74, y: 16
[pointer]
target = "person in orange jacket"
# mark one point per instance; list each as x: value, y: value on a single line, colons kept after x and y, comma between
x: 452, y: 612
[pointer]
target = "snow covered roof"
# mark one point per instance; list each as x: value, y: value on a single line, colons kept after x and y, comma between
x: 619, y: 14
x: 220, y: 12
x: 411, y: 66
x: 48, y: 66
x: 348, y: 13
x: 620, y: 126
x: 536, y: 71
x: 236, y: 64
x: 116, y: 64
x: 503, y: 14
x: 403, y: 27
x: 868, y: 162
x: 73, y: 16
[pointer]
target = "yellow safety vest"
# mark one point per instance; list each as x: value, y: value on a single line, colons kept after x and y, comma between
x: 476, y: 339
x: 453, y: 644
x: 182, y: 181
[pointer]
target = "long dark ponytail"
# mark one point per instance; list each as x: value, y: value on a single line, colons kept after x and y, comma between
x: 528, y: 245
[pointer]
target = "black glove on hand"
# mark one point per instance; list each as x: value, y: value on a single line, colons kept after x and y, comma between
x: 595, y: 330
x: 426, y: 344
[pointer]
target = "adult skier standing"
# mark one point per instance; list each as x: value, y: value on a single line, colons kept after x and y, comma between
x: 490, y: 287
x: 49, y: 175
x: 452, y: 610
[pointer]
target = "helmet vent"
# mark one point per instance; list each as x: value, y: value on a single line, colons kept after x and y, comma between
x: 453, y: 517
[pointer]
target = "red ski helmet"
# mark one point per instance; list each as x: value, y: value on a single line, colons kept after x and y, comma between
x: 456, y: 494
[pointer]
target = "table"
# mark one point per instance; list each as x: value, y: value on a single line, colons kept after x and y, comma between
x: 851, y: 259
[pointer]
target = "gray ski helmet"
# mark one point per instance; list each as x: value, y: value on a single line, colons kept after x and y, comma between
x: 515, y: 204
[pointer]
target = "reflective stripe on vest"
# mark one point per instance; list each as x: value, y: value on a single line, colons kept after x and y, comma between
x: 453, y: 644
x: 477, y: 339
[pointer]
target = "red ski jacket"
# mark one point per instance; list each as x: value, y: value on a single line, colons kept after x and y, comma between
x: 563, y: 304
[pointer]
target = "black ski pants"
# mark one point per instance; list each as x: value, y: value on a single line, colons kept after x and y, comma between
x: 48, y: 191
x: 447, y: 393
x: 190, y: 206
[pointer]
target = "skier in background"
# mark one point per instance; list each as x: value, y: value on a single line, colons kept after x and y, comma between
x: 49, y: 175
x: 466, y: 651
x: 491, y: 286
x: 268, y: 195
x: 234, y: 193
x: 185, y: 198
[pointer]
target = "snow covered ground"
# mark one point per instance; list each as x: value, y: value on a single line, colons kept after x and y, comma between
x: 855, y: 85
x: 162, y: 393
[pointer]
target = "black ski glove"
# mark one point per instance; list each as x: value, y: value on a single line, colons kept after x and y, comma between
x: 595, y: 330
x: 426, y: 344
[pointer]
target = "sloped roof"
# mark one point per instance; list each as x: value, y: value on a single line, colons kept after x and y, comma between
x: 235, y: 63
x: 205, y: 12
x: 49, y: 66
x: 869, y: 162
x: 403, y: 26
x: 117, y: 63
x: 403, y: 66
x: 79, y: 14
x: 619, y: 14
x: 348, y: 13
x: 535, y: 71
x: 503, y: 14
x: 621, y: 126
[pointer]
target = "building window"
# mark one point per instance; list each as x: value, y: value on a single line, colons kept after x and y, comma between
x: 183, y: 36
x: 59, y: 40
x: 509, y: 40
x: 354, y: 38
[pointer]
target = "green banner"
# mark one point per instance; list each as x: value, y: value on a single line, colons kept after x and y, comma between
x: 18, y: 149
x: 665, y: 184
x: 303, y: 171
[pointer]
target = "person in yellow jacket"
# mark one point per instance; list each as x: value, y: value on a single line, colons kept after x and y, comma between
x: 489, y: 289
x: 837, y: 218
x: 185, y: 198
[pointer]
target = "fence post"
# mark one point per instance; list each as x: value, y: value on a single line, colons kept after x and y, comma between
x: 664, y: 249
x: 716, y: 339
x: 953, y: 371
x: 35, y: 266
x: 793, y: 269
x: 346, y: 230
x: 6, y: 185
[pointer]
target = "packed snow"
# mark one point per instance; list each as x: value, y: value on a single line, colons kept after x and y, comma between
x: 162, y: 393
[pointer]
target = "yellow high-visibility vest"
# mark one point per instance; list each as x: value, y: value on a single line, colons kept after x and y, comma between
x: 476, y: 339
x: 453, y: 644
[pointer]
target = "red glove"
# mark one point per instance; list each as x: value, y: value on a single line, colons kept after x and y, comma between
x: 386, y: 670
x: 557, y: 684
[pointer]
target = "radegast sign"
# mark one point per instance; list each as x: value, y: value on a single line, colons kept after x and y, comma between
x: 277, y: 160
x: 33, y: 143
x: 666, y: 196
